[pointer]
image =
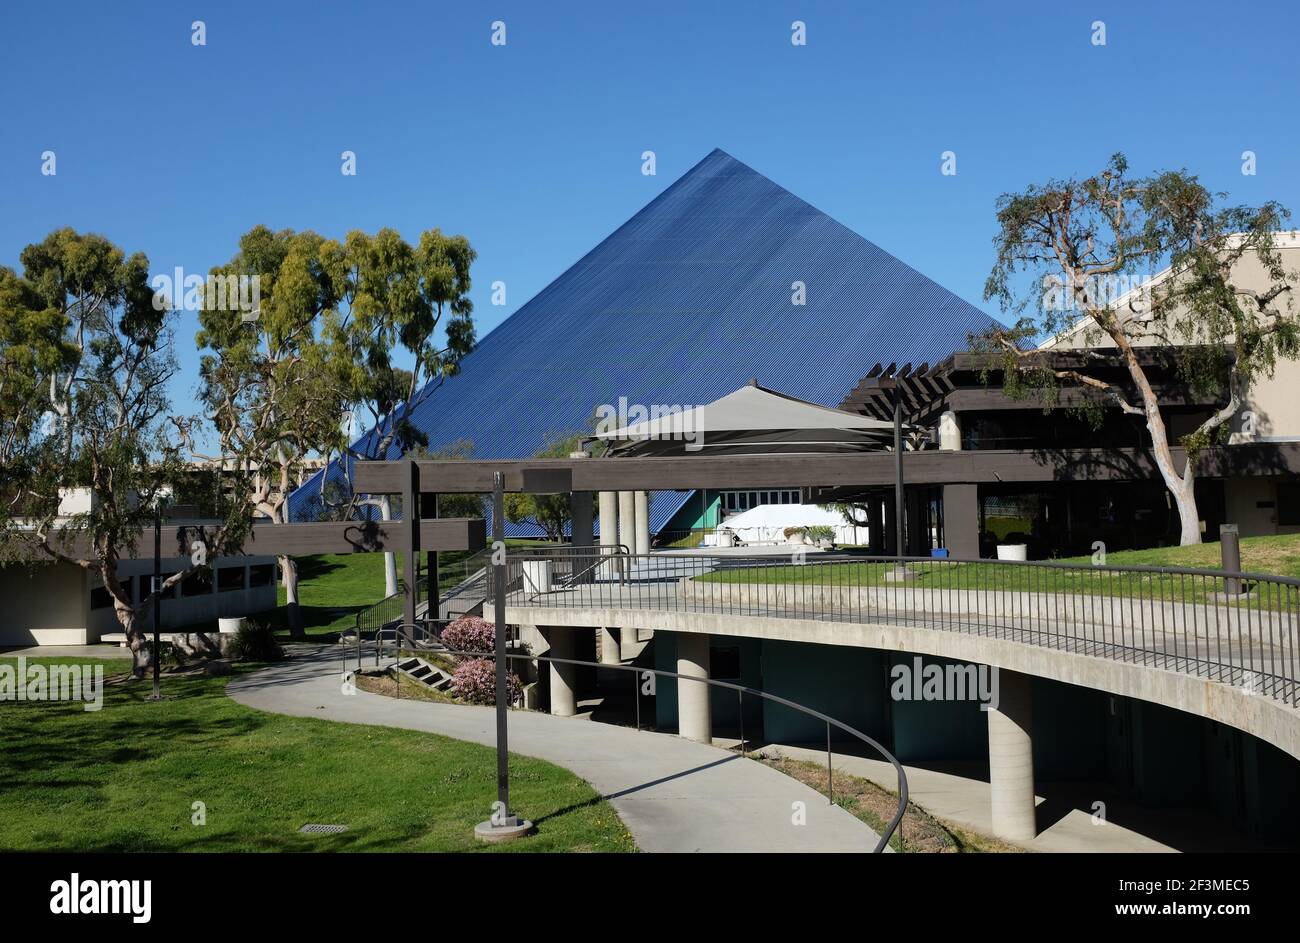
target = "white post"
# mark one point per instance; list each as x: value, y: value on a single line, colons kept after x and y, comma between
x: 694, y: 707
x: 1011, y: 759
x: 627, y: 520
x: 610, y: 651
x: 642, y: 505
x: 564, y: 702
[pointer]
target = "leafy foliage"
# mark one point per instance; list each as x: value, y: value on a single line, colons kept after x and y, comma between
x: 1078, y: 256
x: 475, y: 681
x: 470, y: 634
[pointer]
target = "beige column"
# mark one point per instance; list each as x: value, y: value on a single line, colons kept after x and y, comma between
x: 694, y: 710
x: 1011, y: 758
x: 642, y: 503
x: 627, y: 519
x: 608, y: 508
x: 610, y: 653
x: 564, y: 701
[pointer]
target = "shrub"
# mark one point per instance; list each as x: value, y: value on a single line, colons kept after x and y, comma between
x: 471, y: 634
x: 475, y: 681
x: 821, y: 532
x: 255, y: 641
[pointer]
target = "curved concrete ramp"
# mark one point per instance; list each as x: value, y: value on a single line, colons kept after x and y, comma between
x: 673, y: 794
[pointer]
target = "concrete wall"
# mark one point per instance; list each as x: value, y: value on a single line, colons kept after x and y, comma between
x: 44, y: 605
x: 1243, y: 498
x: 844, y: 683
x: 50, y: 604
x: 1264, y: 717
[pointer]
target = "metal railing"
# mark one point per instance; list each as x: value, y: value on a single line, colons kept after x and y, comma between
x: 1232, y: 627
x: 640, y: 674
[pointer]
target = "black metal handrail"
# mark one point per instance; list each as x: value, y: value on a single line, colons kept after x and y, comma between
x: 1177, y: 618
x: 741, y: 690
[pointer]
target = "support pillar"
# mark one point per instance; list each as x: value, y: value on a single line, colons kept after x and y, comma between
x: 694, y: 707
x: 564, y: 678
x: 1011, y: 759
x: 961, y: 521
x: 630, y: 641
x: 608, y: 501
x: 433, y: 591
x: 610, y: 650
x: 627, y: 520
x: 411, y: 524
x: 641, y: 503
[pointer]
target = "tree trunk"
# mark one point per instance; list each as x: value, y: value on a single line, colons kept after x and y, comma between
x: 1182, y: 487
x: 138, y: 642
x: 390, y: 559
x: 292, y: 610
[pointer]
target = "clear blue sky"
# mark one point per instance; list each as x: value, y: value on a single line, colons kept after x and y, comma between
x: 533, y: 149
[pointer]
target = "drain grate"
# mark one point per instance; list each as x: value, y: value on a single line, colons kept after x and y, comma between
x: 323, y: 829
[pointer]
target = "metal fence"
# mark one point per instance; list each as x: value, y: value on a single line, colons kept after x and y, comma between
x: 1235, y: 628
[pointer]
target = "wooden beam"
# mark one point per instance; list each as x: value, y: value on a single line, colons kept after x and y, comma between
x: 295, y: 540
x: 930, y: 466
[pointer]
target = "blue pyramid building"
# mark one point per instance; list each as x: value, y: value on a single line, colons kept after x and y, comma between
x: 686, y: 301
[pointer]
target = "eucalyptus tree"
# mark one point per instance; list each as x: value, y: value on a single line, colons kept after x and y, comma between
x: 85, y: 362
x: 271, y: 380
x: 1079, y: 256
x: 396, y: 301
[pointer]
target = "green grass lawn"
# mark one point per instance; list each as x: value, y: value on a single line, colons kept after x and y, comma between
x: 125, y: 778
x: 1278, y: 555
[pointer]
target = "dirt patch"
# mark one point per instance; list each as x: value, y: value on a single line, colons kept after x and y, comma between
x: 919, y: 831
x: 400, y: 686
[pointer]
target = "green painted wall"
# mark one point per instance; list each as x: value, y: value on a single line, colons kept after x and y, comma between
x: 725, y: 704
x: 702, y: 511
x: 844, y: 683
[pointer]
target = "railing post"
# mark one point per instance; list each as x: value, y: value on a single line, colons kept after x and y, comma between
x: 1230, y: 554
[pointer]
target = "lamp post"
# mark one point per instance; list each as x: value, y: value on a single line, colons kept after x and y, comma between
x: 504, y: 825
x: 157, y: 602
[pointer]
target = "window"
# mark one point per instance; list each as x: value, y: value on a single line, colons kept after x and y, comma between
x: 261, y: 575
x: 230, y: 578
x: 724, y: 663
x: 198, y: 583
x: 1288, y: 503
x: 100, y: 598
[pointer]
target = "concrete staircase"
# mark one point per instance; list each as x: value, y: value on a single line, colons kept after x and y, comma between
x: 424, y: 673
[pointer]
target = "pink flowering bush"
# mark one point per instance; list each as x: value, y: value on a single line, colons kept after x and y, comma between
x: 475, y: 681
x: 470, y: 634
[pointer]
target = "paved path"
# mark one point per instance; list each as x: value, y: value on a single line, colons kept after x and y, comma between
x: 673, y: 794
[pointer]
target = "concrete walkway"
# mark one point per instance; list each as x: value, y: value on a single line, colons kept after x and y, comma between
x: 673, y: 794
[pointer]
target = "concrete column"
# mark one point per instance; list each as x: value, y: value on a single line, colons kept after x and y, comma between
x: 608, y: 505
x: 564, y: 678
x: 961, y: 521
x: 627, y: 519
x: 949, y: 432
x: 642, y: 504
x: 610, y: 652
x: 630, y: 641
x: 694, y: 708
x: 1011, y: 759
x: 608, y: 518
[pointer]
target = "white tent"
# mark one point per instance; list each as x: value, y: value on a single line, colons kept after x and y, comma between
x: 767, y: 523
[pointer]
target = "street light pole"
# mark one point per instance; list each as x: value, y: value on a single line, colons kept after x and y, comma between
x: 157, y: 603
x: 504, y: 825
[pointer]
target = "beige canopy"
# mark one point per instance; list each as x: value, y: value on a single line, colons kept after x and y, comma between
x: 750, y: 420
